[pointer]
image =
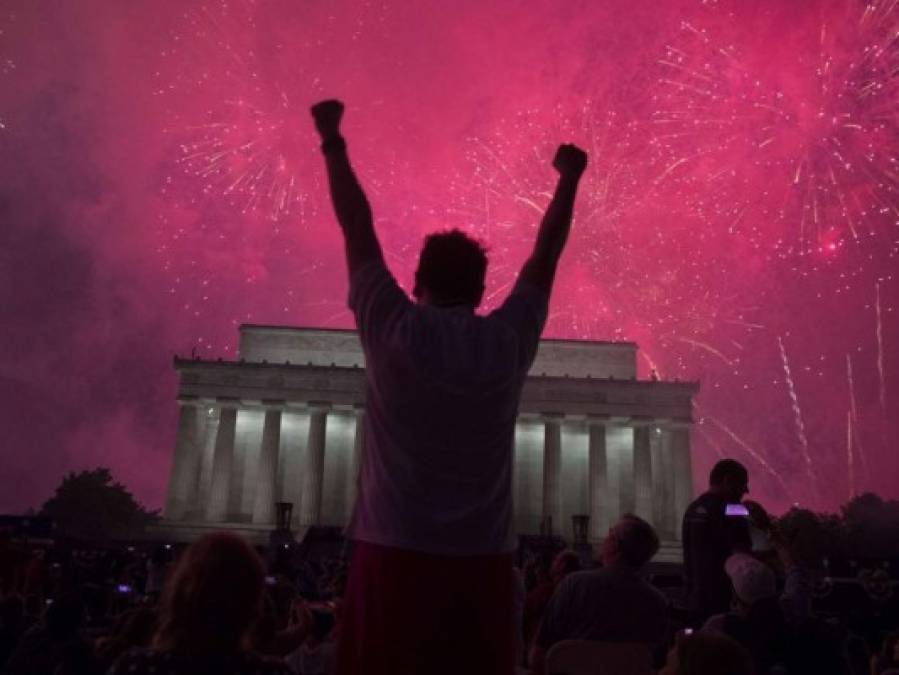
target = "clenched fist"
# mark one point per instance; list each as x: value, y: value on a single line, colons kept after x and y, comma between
x: 327, y: 115
x: 570, y: 161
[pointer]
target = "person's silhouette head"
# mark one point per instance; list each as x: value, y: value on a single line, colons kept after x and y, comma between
x: 730, y: 479
x: 631, y: 542
x: 212, y: 599
x: 451, y: 270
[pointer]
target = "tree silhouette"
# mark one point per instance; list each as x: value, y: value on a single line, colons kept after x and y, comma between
x: 90, y: 505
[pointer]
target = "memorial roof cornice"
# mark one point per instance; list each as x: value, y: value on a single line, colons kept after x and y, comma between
x: 191, y: 363
x: 624, y: 344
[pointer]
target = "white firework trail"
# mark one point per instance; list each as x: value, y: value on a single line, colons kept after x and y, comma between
x: 797, y: 413
x: 850, y: 460
x: 853, y: 410
x: 879, y: 335
x: 749, y: 451
x: 710, y: 442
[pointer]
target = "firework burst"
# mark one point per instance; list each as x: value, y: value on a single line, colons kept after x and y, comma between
x: 7, y: 64
x: 796, y: 159
x: 241, y: 143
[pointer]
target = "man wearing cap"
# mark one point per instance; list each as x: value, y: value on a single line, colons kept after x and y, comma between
x: 755, y: 619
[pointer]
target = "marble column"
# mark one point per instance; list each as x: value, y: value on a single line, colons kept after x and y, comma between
x: 267, y: 471
x: 314, y: 471
x: 552, y: 460
x: 355, y: 462
x: 643, y: 473
x: 682, y: 472
x: 211, y: 430
x: 597, y: 478
x: 662, y: 484
x: 185, y: 462
x: 624, y: 455
x: 222, y: 461
x: 670, y: 523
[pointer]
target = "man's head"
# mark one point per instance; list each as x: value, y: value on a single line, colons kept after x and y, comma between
x: 451, y: 270
x: 730, y: 479
x: 631, y: 542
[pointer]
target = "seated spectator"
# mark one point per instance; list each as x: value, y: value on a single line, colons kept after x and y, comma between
x: 316, y: 656
x: 56, y: 645
x: 134, y: 628
x: 799, y: 537
x: 278, y: 638
x: 755, y: 619
x: 858, y: 656
x: 157, y: 567
x: 209, y: 607
x: 707, y: 654
x: 611, y: 604
x: 888, y: 658
x: 13, y: 624
x: 519, y: 598
x: 565, y: 563
x: 760, y: 529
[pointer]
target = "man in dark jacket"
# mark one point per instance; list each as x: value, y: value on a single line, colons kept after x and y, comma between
x: 712, y: 532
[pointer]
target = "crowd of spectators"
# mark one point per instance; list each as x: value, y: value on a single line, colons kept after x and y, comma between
x: 221, y: 606
x: 216, y: 606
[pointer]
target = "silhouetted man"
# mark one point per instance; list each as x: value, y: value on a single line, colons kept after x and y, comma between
x: 711, y: 533
x: 431, y: 581
x: 610, y: 604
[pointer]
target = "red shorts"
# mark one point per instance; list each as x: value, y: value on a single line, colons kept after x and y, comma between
x: 410, y: 613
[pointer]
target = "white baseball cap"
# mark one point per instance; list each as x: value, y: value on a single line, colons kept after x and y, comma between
x: 752, y: 580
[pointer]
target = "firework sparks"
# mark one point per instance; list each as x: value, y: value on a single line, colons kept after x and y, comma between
x: 850, y: 460
x: 742, y: 185
x: 878, y: 333
x: 853, y: 410
x: 797, y: 414
x: 823, y: 134
x: 709, y: 348
x: 245, y: 147
x: 719, y: 453
x: 751, y: 452
x: 7, y: 64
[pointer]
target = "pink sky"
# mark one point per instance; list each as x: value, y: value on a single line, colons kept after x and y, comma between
x: 741, y: 195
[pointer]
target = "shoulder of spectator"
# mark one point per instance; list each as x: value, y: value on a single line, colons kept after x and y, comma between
x: 524, y: 291
x: 571, y: 583
x: 698, y: 510
x: 715, y: 623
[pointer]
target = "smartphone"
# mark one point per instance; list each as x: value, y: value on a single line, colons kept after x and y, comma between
x: 123, y: 588
x: 736, y: 510
x: 271, y: 581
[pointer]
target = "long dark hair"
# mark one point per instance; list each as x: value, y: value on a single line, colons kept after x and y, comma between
x: 212, y: 601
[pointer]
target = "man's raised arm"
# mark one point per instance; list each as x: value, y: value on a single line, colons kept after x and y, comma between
x: 350, y: 205
x: 540, y: 268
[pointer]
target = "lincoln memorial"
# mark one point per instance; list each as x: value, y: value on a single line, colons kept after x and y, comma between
x: 284, y: 424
